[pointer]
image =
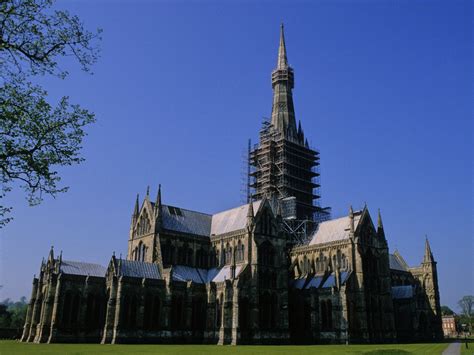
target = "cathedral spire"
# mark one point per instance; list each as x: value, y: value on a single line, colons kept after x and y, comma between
x: 283, y: 112
x: 282, y: 60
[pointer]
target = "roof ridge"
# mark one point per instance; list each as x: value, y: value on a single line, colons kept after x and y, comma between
x: 187, y: 209
x: 82, y: 262
x: 234, y: 208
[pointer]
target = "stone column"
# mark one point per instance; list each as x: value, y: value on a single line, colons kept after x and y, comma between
x: 235, y: 316
x: 110, y: 313
x: 344, y: 319
x: 141, y: 296
x: 29, y: 312
x: 55, y: 314
x: 36, y: 313
x: 47, y: 311
x: 116, y: 325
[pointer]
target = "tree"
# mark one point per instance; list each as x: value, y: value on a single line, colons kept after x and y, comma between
x: 466, y: 304
x: 37, y: 137
x: 13, y: 314
x: 446, y: 311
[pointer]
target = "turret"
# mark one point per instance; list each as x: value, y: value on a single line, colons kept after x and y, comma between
x: 250, y: 215
x: 136, y: 210
x: 351, y: 221
x: 380, y: 230
x: 428, y: 257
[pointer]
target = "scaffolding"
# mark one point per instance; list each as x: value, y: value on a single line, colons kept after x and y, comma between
x: 286, y: 168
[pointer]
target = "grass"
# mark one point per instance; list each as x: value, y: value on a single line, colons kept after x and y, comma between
x: 14, y: 347
x: 470, y: 349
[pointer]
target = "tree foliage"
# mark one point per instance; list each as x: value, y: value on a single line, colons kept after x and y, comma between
x: 465, y: 304
x: 37, y: 137
x: 13, y: 314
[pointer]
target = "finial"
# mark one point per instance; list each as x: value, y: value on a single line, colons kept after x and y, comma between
x: 51, y: 253
x: 136, y: 209
x: 250, y: 212
x: 428, y: 257
x: 148, y: 191
x: 351, y: 220
x: 113, y: 254
x: 61, y: 256
x: 379, y: 220
x: 158, y: 196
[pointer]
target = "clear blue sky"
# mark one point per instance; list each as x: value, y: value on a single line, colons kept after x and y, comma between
x: 383, y: 89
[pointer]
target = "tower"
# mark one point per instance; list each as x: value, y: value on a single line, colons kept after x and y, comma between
x: 430, y: 285
x: 284, y: 167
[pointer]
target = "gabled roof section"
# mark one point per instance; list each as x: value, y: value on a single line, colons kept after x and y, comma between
x: 81, y: 268
x: 186, y: 221
x: 397, y: 262
x: 335, y: 229
x: 138, y: 269
x: 233, y: 219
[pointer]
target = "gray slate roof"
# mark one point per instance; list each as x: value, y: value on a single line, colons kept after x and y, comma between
x: 396, y: 263
x: 319, y: 281
x: 191, y: 222
x: 203, y: 224
x: 233, y: 219
x: 140, y: 269
x: 80, y: 268
x: 201, y: 276
x: 402, y: 292
x: 335, y: 229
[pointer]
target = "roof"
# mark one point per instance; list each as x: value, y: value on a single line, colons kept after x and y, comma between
x: 186, y: 221
x: 192, y: 222
x: 139, y: 269
x: 319, y: 281
x: 187, y: 273
x: 80, y: 268
x: 201, y: 276
x: 232, y: 220
x: 396, y: 263
x: 335, y: 229
x: 402, y: 292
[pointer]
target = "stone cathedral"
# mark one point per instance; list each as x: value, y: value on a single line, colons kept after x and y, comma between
x: 276, y: 270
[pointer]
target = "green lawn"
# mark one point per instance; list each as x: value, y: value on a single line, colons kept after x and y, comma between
x: 13, y: 347
x: 470, y: 349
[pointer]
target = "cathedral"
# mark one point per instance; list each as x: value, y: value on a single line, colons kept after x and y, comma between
x: 276, y: 270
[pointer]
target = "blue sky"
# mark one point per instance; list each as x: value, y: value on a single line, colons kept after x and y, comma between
x: 383, y: 89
